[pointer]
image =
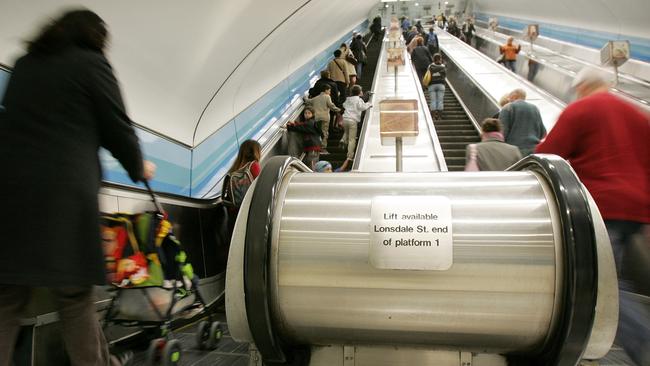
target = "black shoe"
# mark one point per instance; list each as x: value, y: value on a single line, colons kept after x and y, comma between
x: 123, y: 359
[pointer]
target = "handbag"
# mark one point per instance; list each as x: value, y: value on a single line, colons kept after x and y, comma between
x: 472, y: 162
x: 338, y: 120
x: 426, y: 80
x: 501, y: 59
x: 350, y: 58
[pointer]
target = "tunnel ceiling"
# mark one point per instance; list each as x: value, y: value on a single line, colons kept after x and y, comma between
x: 172, y: 57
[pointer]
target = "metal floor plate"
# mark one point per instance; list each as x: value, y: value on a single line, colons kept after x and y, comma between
x: 231, y: 353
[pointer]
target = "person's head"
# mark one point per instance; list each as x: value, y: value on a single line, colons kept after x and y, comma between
x: 437, y: 59
x: 590, y: 80
x: 505, y: 99
x: 356, y: 90
x: 491, y: 125
x: 344, y: 46
x: 79, y: 28
x: 325, y: 74
x: 510, y: 39
x: 517, y: 94
x: 359, y: 37
x: 414, y: 29
x: 323, y: 167
x: 327, y: 89
x: 250, y: 150
x: 419, y: 41
x: 337, y: 53
x: 431, y: 30
x: 307, y: 113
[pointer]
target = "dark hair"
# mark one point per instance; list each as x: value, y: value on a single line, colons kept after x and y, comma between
x: 325, y: 74
x: 356, y: 90
x: 326, y: 87
x: 359, y: 37
x: 491, y: 125
x: 337, y: 53
x: 302, y: 114
x: 250, y: 150
x: 431, y: 29
x: 437, y: 57
x: 80, y: 28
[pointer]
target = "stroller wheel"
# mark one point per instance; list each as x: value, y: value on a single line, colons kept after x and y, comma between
x: 171, y: 354
x: 202, y: 334
x: 215, y: 335
x: 154, y: 351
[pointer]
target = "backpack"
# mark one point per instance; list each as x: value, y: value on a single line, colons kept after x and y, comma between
x: 236, y: 184
x: 432, y: 40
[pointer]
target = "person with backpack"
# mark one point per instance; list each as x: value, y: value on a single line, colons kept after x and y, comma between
x: 432, y: 42
x: 240, y: 176
x: 311, y: 132
x: 437, y: 72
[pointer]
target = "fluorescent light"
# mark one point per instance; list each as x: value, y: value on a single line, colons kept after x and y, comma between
x: 446, y: 2
x: 417, y: 4
x: 386, y: 6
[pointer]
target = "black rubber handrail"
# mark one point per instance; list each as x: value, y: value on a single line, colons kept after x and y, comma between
x: 257, y: 248
x: 580, y: 278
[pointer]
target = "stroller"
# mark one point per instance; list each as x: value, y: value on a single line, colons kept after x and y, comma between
x: 153, y: 282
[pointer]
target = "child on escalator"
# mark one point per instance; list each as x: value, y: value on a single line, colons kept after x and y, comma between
x: 311, y: 135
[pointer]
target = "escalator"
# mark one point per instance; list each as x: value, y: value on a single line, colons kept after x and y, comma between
x: 455, y: 130
x: 337, y: 155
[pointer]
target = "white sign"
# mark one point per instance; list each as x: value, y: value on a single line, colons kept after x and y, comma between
x: 411, y: 232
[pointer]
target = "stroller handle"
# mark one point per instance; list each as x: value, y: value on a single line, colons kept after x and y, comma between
x: 153, y: 198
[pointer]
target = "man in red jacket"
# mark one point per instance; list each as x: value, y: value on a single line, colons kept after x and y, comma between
x: 606, y: 140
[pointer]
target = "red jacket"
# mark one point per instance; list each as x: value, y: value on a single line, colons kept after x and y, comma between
x: 607, y: 142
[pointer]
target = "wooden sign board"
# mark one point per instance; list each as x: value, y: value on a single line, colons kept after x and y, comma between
x: 398, y: 118
x: 396, y: 57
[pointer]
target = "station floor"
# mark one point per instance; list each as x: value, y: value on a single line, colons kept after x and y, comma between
x: 227, y: 353
x: 231, y: 353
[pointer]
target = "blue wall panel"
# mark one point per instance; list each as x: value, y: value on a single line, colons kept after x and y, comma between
x: 640, y: 47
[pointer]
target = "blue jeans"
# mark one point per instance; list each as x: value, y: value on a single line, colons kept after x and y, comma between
x: 510, y: 64
x: 437, y: 95
x: 634, y: 317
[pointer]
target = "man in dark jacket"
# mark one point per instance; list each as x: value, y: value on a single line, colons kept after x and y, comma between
x: 62, y: 103
x: 319, y: 86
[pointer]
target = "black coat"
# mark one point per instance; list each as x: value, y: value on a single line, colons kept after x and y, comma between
x: 421, y: 59
x: 59, y: 110
x: 311, y: 133
x: 318, y: 88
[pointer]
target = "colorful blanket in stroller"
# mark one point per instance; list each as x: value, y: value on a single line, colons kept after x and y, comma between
x: 141, y: 250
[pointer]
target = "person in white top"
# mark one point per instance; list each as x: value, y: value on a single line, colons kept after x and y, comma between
x: 353, y: 107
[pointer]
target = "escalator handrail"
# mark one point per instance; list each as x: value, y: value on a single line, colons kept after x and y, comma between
x: 257, y: 249
x: 580, y: 278
x: 517, y: 77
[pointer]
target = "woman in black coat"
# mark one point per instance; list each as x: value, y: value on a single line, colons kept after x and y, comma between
x: 62, y: 104
x: 421, y: 58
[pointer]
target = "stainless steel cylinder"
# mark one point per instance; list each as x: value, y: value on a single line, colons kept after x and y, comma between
x: 499, y: 294
x: 531, y: 272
